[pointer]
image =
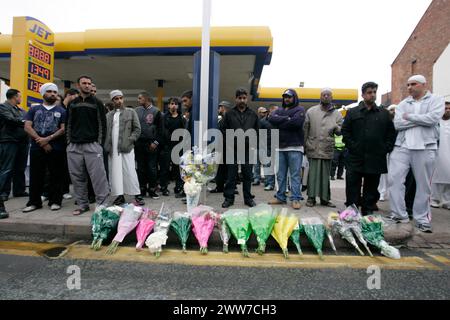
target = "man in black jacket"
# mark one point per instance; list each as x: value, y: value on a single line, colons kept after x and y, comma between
x: 369, y: 135
x: 241, y: 117
x: 173, y: 120
x: 149, y: 144
x: 11, y: 134
x: 85, y: 132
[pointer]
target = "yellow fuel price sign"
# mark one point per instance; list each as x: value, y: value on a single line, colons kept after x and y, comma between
x: 32, y: 58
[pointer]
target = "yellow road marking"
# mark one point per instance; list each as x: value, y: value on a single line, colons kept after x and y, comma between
x: 232, y: 259
x: 440, y: 259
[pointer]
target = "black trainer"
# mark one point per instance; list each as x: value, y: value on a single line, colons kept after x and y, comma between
x: 139, y: 200
x: 250, y: 202
x: 152, y: 194
x: 227, y: 203
x: 165, y: 192
x: 120, y: 200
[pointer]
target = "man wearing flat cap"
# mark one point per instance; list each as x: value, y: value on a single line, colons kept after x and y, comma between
x: 45, y: 124
x: 416, y: 120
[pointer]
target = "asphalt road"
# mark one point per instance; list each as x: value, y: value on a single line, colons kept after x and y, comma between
x: 30, y: 277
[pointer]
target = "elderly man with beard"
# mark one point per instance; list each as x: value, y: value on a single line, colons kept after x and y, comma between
x: 321, y: 124
x: 45, y: 124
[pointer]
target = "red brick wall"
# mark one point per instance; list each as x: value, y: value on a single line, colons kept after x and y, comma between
x: 425, y: 45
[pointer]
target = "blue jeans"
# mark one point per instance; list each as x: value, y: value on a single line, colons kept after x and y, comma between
x: 257, y: 171
x: 293, y: 161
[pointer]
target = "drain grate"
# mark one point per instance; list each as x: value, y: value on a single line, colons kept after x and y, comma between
x: 53, y: 253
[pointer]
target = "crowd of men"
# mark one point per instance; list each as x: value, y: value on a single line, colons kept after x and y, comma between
x: 109, y: 150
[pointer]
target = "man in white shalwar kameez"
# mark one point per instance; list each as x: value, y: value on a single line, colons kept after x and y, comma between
x: 440, y: 189
x: 123, y: 129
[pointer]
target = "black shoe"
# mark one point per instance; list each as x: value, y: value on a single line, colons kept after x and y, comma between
x: 153, y: 195
x: 120, y: 200
x: 236, y: 192
x: 256, y: 183
x: 215, y: 190
x: 92, y: 200
x: 367, y: 212
x: 332, y: 178
x: 340, y: 178
x: 165, y: 192
x: 139, y: 201
x: 180, y: 195
x: 250, y: 202
x: 227, y: 203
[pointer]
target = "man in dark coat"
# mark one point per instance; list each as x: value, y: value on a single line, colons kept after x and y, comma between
x: 240, y: 121
x: 369, y: 135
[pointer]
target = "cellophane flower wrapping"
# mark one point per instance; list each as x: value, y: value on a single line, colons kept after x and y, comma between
x: 262, y: 219
x: 158, y: 238
x: 198, y: 167
x: 192, y: 190
x: 145, y: 226
x: 284, y: 226
x: 295, y: 237
x: 239, y: 224
x: 181, y: 225
x: 336, y: 226
x: 104, y: 223
x: 203, y: 222
x: 372, y: 231
x: 351, y: 219
x: 129, y: 219
x: 224, y: 232
x: 315, y: 231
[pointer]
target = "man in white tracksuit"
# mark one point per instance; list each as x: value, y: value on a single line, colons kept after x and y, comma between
x: 416, y: 120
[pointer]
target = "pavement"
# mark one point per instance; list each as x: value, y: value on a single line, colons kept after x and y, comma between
x: 63, y: 225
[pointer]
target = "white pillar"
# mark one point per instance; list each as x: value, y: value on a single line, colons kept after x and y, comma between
x: 204, y: 74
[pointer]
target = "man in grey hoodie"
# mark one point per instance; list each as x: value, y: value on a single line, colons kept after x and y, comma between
x: 416, y: 120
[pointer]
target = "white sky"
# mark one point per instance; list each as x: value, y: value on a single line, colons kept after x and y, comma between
x: 325, y: 43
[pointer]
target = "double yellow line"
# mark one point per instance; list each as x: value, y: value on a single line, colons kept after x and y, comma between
x: 232, y: 259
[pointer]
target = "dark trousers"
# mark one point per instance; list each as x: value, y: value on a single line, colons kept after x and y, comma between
x: 370, y: 193
x: 7, y: 157
x: 147, y: 166
x: 410, y: 193
x: 18, y: 172
x: 169, y: 170
x: 221, y: 177
x: 40, y: 162
x: 230, y: 185
x: 338, y: 162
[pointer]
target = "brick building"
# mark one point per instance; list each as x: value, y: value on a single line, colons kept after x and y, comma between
x: 424, y: 47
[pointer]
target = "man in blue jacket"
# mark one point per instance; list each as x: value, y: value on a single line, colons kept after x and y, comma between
x: 289, y: 121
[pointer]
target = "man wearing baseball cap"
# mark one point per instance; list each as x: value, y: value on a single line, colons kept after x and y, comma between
x: 416, y: 120
x: 45, y: 124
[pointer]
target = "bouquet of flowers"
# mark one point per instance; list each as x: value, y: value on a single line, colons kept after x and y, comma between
x: 129, y: 219
x: 104, y: 222
x: 295, y: 237
x: 197, y: 167
x: 203, y: 221
x: 283, y: 228
x: 192, y: 190
x: 337, y: 227
x: 145, y: 226
x: 158, y: 238
x: 351, y: 218
x: 239, y: 224
x: 315, y: 231
x: 372, y: 231
x: 262, y: 218
x: 224, y: 232
x: 181, y: 225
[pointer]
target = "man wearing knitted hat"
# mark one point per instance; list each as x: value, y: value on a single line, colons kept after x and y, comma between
x: 45, y: 124
x: 416, y: 120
